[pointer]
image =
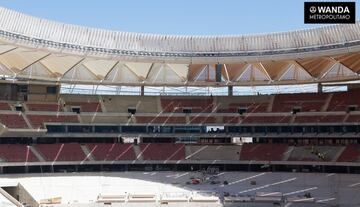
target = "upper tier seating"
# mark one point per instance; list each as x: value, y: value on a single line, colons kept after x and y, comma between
x: 160, y: 120
x: 163, y: 151
x: 44, y: 107
x: 111, y: 152
x: 265, y: 152
x: 253, y: 104
x: 266, y: 119
x: 143, y: 104
x: 353, y: 118
x: 319, y: 119
x: 250, y: 108
x: 87, y: 106
x: 211, y: 152
x: 37, y: 121
x: 203, y: 105
x: 341, y: 100
x: 231, y: 120
x: 61, y: 152
x: 16, y: 153
x: 13, y: 121
x: 202, y: 119
x: 307, y: 102
x: 5, y: 106
x: 350, y: 154
x: 103, y: 118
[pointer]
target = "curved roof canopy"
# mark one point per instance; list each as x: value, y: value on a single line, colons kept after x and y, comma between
x: 32, y: 48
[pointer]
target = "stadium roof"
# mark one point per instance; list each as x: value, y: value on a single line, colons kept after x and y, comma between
x: 32, y: 48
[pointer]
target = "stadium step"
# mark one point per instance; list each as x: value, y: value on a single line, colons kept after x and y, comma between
x: 271, y: 103
x: 10, y: 198
x: 338, y: 154
x: 158, y: 104
x: 102, y: 105
x: 87, y: 152
x: 37, y: 154
x: 327, y: 102
x: 346, y: 117
x: 287, y: 154
x: 27, y: 121
x: 138, y: 152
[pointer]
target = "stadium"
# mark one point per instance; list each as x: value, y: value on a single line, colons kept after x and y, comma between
x: 93, y: 117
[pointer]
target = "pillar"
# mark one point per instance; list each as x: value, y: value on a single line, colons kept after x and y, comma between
x: 230, y: 90
x: 319, y: 88
x: 142, y: 90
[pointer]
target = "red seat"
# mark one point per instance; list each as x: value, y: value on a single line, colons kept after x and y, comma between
x: 201, y: 119
x: 163, y: 151
x: 37, y: 121
x: 61, y: 152
x: 263, y: 152
x: 307, y: 102
x: 87, y: 106
x: 353, y: 118
x: 103, y: 152
x: 319, y: 119
x: 160, y: 120
x: 341, y: 100
x: 16, y: 153
x: 266, y: 119
x: 13, y: 121
x: 43, y: 107
x: 350, y: 154
x: 5, y: 106
x: 204, y: 105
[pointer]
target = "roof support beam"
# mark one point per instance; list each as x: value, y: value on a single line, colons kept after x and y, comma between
x: 9, y: 50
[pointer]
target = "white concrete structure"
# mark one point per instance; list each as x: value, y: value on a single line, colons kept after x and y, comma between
x: 83, y: 189
x: 38, y: 49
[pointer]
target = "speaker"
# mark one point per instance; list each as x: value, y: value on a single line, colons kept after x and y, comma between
x: 296, y: 110
x: 132, y: 110
x: 242, y: 110
x: 218, y: 73
x: 351, y: 108
x: 187, y: 110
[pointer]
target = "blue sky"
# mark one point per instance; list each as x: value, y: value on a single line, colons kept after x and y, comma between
x: 198, y: 17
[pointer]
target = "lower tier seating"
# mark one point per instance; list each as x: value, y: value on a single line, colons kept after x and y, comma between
x: 209, y: 152
x: 350, y: 154
x: 61, y: 152
x: 168, y: 151
x: 269, y: 152
x: 110, y: 152
x: 312, y: 153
